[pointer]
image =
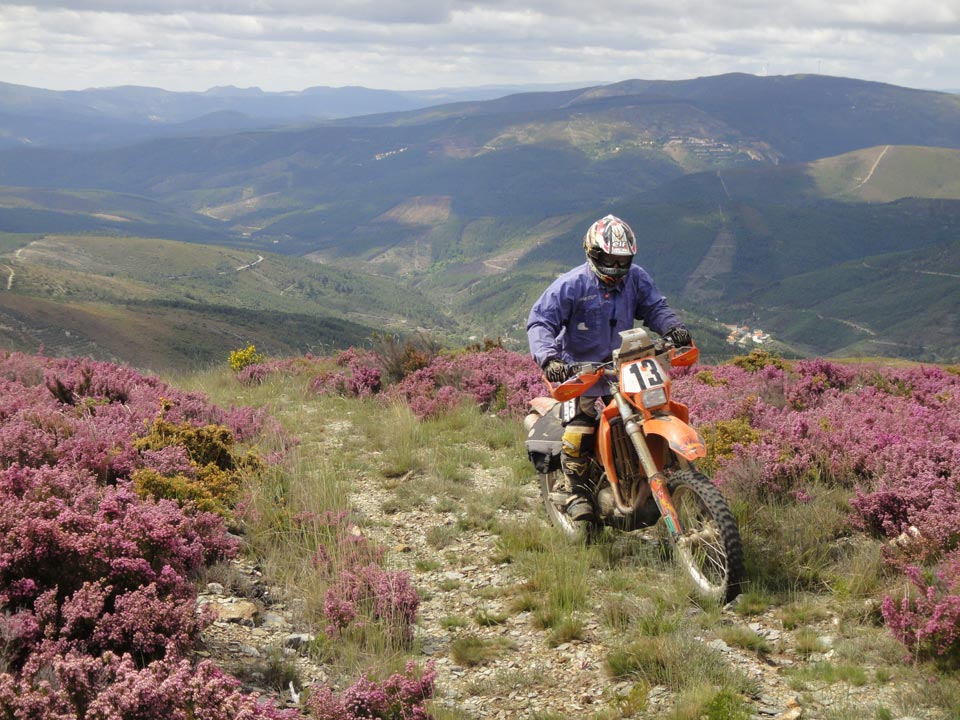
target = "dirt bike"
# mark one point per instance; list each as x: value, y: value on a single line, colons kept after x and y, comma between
x: 642, y: 470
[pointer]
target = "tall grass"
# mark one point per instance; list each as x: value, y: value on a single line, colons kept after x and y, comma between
x: 679, y: 662
x: 298, y: 512
x: 792, y: 546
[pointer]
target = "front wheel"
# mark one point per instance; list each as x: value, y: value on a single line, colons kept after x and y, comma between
x: 709, y: 550
x: 553, y: 484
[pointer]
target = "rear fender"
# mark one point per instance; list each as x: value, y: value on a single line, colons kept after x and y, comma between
x: 682, y: 439
x: 542, y: 405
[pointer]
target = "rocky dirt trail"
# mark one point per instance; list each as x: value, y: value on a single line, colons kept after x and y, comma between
x: 531, y: 679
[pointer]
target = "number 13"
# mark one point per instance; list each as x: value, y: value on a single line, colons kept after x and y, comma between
x: 649, y: 376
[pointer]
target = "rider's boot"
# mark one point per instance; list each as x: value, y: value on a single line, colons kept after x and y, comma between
x: 580, y: 508
x: 575, y: 453
x: 580, y: 505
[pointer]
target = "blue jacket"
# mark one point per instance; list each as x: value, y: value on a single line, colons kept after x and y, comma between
x: 578, y: 318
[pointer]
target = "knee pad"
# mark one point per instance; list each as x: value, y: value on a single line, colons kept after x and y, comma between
x: 577, y: 440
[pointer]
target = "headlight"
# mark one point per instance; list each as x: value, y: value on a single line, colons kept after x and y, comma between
x: 654, y: 397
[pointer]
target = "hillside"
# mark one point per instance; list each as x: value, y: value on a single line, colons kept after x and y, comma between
x: 163, y: 305
x: 898, y: 305
x: 51, y: 210
x: 734, y: 183
x: 535, y: 154
x: 821, y: 461
x: 887, y: 173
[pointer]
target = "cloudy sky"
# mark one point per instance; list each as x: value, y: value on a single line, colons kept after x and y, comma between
x: 423, y: 44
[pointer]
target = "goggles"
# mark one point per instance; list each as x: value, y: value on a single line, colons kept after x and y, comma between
x: 608, y: 260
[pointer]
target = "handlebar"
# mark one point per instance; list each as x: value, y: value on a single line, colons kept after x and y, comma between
x: 584, y: 375
x: 678, y: 357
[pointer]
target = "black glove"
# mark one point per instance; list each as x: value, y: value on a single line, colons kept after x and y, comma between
x: 679, y: 336
x: 556, y: 370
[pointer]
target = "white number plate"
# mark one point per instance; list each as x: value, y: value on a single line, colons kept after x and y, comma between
x: 641, y: 375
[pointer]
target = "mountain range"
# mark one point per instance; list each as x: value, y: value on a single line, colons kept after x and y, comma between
x: 824, y: 210
x: 112, y: 116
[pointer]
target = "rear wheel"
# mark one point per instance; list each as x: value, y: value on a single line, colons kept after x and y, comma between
x: 709, y: 550
x: 552, y: 488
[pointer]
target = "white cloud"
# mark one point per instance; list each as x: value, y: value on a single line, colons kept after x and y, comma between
x: 416, y: 44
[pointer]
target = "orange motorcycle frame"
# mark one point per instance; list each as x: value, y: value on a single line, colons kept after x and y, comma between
x: 664, y: 427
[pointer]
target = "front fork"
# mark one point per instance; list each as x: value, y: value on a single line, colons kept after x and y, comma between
x: 656, y: 479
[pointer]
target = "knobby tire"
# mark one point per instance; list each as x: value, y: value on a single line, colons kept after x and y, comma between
x: 711, y: 551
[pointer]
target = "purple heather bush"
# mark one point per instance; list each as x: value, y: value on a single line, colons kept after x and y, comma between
x: 89, y: 568
x: 494, y: 379
x: 169, y: 461
x: 360, y: 377
x: 87, y: 414
x: 55, y: 686
x: 928, y: 622
x: 891, y: 436
x: 385, y: 596
x: 360, y: 589
x: 96, y: 582
x: 400, y: 697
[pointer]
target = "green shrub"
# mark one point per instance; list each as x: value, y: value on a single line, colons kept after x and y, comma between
x: 217, y: 498
x: 708, y: 378
x: 206, y: 445
x: 759, y: 359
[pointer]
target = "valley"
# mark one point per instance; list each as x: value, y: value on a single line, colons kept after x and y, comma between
x: 757, y: 199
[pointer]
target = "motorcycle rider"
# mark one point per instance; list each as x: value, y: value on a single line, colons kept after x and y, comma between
x: 578, y: 318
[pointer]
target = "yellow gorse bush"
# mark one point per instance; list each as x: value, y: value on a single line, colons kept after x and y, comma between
x: 721, y: 437
x: 217, y: 468
x: 759, y: 359
x: 239, y: 359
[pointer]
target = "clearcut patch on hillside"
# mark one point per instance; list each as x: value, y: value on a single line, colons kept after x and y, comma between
x: 420, y: 210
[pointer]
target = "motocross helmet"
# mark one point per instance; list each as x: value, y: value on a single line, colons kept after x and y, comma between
x: 610, y: 246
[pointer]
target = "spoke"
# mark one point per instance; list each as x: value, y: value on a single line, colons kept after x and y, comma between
x: 702, y: 549
x: 705, y: 558
x: 719, y: 564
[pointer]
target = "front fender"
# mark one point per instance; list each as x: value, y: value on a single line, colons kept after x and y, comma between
x: 682, y: 439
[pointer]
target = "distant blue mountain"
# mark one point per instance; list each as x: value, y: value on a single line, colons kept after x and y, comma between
x: 103, y: 117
